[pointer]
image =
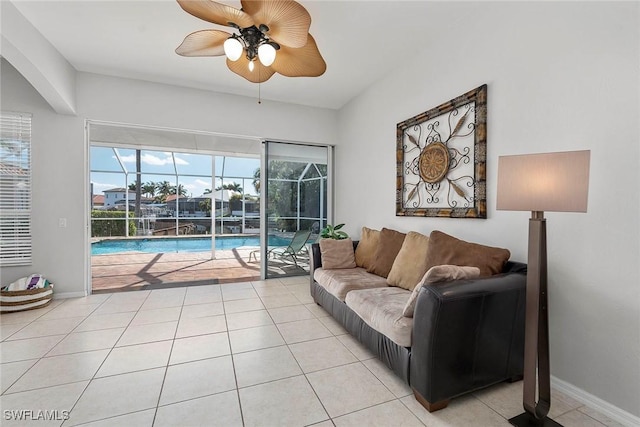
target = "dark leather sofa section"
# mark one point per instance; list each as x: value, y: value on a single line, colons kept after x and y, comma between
x: 467, y: 334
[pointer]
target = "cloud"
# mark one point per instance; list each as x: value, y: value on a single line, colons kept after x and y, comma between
x: 152, y: 160
x: 180, y: 161
x: 100, y: 186
x: 202, y: 182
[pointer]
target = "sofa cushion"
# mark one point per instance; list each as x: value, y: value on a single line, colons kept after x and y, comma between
x: 411, y: 262
x: 445, y: 249
x: 439, y: 273
x: 340, y: 282
x: 389, y: 244
x: 366, y: 249
x: 381, y: 308
x: 337, y: 254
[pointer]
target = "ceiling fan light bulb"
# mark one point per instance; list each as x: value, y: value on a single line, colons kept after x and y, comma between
x: 266, y: 54
x: 232, y: 48
x: 251, y: 66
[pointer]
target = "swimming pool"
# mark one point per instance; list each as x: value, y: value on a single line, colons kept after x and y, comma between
x: 172, y: 244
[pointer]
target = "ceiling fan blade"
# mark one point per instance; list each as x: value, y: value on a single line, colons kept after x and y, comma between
x: 216, y: 13
x: 203, y: 43
x: 288, y: 21
x: 259, y: 74
x: 302, y: 62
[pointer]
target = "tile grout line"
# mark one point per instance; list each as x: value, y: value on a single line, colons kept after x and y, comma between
x: 106, y: 357
x: 233, y: 363
x: 409, y: 409
x: 4, y: 393
x: 75, y: 403
x: 300, y: 367
x: 166, y: 368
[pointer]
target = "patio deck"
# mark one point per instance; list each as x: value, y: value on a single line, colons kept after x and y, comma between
x: 136, y: 270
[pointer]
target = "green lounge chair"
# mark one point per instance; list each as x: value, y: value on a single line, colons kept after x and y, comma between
x: 297, y: 246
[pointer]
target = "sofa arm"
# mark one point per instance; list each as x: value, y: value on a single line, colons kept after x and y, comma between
x: 467, y: 334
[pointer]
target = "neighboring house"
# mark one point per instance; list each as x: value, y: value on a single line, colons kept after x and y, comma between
x: 114, y: 195
x: 192, y: 206
x: 97, y: 201
x: 116, y: 198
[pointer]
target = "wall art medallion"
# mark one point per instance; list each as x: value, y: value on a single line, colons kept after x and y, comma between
x: 441, y: 159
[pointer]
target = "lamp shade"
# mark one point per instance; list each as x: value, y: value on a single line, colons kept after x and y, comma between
x: 551, y: 182
x: 266, y: 54
x: 233, y: 48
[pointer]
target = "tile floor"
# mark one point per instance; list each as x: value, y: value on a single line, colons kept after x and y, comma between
x: 255, y: 354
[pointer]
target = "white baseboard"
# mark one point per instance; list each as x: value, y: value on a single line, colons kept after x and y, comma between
x: 68, y: 295
x: 619, y: 415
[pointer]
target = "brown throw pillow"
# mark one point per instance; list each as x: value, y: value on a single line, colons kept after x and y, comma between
x: 439, y: 273
x: 337, y: 254
x: 445, y: 249
x: 366, y: 249
x: 411, y: 262
x: 389, y: 244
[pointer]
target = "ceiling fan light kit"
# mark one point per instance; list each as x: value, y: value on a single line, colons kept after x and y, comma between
x: 274, y: 32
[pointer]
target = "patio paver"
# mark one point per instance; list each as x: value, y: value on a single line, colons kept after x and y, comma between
x: 136, y: 270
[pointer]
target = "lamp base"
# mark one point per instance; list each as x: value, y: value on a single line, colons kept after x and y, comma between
x: 527, y: 420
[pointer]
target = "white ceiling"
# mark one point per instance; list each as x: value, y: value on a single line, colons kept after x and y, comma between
x: 361, y: 41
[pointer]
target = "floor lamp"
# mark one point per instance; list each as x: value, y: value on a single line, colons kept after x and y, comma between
x: 553, y: 182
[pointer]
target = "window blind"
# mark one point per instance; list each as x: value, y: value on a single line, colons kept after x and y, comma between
x: 15, y: 188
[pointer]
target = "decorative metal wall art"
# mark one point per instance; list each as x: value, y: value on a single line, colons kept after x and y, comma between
x: 441, y: 160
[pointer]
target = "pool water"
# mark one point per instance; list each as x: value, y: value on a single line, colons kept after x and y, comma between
x: 165, y: 245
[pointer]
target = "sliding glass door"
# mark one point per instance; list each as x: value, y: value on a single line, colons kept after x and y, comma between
x: 296, y: 200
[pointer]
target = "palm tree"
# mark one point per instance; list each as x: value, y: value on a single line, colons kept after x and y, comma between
x: 179, y: 190
x: 205, y: 205
x: 149, y: 189
x: 234, y: 186
x: 163, y: 189
x: 256, y: 180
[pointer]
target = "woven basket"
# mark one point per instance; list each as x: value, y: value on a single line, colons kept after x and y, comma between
x: 11, y: 301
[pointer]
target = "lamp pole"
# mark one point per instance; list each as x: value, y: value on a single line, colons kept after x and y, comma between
x: 537, y: 371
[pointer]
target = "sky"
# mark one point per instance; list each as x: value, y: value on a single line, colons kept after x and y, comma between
x: 194, y: 170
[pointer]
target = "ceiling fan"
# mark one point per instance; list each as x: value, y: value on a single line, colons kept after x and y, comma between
x: 273, y: 37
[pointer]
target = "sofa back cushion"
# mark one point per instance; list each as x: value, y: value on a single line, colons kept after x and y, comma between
x: 445, y: 249
x: 439, y: 273
x: 389, y: 244
x: 366, y: 249
x: 337, y: 254
x: 411, y: 262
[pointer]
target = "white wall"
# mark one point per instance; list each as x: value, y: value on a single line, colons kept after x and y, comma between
x: 561, y: 76
x: 60, y: 158
x: 58, y: 185
x: 42, y: 65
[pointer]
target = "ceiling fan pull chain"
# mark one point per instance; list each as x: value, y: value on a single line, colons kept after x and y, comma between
x: 259, y: 87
